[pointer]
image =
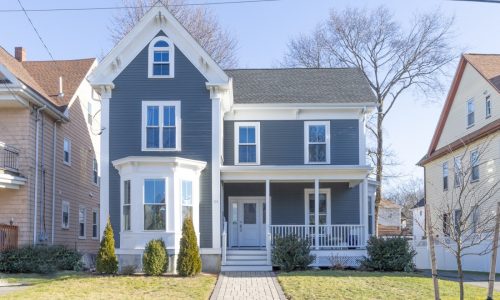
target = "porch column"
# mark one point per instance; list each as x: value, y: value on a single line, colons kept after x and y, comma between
x: 316, y: 214
x: 268, y: 221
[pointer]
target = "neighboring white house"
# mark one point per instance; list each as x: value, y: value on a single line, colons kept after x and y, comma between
x: 418, y: 212
x: 389, y: 222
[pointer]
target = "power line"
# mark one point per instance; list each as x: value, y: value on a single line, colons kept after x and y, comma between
x: 130, y: 7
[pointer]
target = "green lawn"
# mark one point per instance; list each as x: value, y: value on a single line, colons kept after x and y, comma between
x: 369, y: 285
x: 71, y: 285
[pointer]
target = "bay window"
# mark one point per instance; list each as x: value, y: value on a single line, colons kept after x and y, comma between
x: 317, y: 142
x: 187, y: 199
x: 126, y: 205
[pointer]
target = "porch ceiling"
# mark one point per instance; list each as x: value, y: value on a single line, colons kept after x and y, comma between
x: 334, y: 173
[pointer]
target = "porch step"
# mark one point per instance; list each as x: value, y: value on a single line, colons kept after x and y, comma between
x: 246, y: 252
x: 246, y: 268
x: 250, y: 262
x: 246, y: 257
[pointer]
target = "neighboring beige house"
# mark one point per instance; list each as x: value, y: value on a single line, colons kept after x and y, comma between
x: 389, y: 219
x: 49, y: 142
x: 465, y: 148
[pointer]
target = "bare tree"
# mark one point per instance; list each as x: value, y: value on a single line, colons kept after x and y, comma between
x: 199, y: 21
x: 466, y: 214
x: 407, y: 194
x: 393, y: 57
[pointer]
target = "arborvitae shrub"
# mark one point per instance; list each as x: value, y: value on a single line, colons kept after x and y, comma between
x: 155, y: 258
x: 389, y: 254
x: 106, y: 261
x: 189, y: 260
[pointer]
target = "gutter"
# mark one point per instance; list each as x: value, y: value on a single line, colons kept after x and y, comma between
x: 54, y: 140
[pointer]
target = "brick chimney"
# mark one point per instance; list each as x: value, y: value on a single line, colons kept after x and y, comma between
x: 20, y: 54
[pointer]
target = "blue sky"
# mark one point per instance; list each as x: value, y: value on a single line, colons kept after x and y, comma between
x: 263, y: 30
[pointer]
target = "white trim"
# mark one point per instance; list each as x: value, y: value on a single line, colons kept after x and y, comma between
x: 67, y: 139
x: 328, y: 193
x: 178, y: 124
x: 306, y: 141
x: 84, y: 236
x: 196, y: 165
x: 104, y: 161
x: 171, y: 56
x: 217, y: 129
x: 208, y: 251
x: 237, y: 126
x: 65, y: 203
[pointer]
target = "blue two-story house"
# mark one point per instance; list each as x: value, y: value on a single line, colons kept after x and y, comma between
x: 249, y: 154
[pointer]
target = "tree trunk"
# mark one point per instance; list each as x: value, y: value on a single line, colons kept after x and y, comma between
x: 380, y: 163
x: 460, y: 272
x: 493, y: 265
x: 432, y: 251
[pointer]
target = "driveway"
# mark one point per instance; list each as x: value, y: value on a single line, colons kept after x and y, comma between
x: 473, y: 278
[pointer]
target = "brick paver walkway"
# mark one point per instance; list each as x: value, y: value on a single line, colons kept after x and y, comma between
x: 247, y: 285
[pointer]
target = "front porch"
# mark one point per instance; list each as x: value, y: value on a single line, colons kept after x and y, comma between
x: 331, y: 213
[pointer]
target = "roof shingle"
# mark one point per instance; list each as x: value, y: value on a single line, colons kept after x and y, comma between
x: 488, y: 65
x: 300, y: 85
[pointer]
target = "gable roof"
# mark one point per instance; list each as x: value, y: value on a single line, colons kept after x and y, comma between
x: 300, y: 85
x: 43, y: 76
x: 488, y: 65
x: 47, y: 74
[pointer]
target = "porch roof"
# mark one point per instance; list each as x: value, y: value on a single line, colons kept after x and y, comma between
x: 354, y: 174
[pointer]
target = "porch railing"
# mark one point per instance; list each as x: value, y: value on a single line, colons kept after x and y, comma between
x: 8, y: 237
x: 9, y: 157
x: 328, y: 237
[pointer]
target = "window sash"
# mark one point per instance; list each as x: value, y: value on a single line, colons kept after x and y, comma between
x: 247, y: 143
x: 82, y: 216
x: 445, y: 176
x: 474, y: 162
x: 470, y: 113
x: 95, y: 173
x: 317, y: 142
x: 67, y: 150
x: 154, y: 204
x: 65, y: 215
x: 324, y: 212
x: 94, y: 223
x: 161, y: 123
x: 488, y: 106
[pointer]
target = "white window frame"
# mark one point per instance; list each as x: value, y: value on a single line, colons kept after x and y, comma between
x: 96, y: 212
x: 68, y: 140
x: 178, y: 125
x: 84, y: 236
x: 237, y: 126
x: 473, y: 112
x: 128, y: 205
x: 165, y: 182
x: 306, y: 141
x: 487, y: 104
x: 65, y: 204
x: 171, y: 56
x: 472, y: 165
x: 328, y: 193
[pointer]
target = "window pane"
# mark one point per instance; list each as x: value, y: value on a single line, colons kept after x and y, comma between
x: 187, y: 192
x: 161, y: 56
x: 153, y: 113
x: 311, y: 219
x: 126, y: 192
x: 161, y: 44
x: 251, y: 134
x: 322, y: 219
x: 82, y: 229
x: 317, y: 153
x: 247, y: 153
x: 317, y: 133
x: 187, y: 211
x: 263, y: 213
x: 154, y: 191
x: 249, y: 213
x: 322, y: 205
x: 162, y: 69
x: 153, y: 137
x: 169, y: 116
x: 243, y: 134
x: 126, y: 217
x: 154, y: 217
x: 168, y: 137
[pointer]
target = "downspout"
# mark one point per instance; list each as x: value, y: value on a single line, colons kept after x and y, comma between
x: 38, y: 110
x: 54, y: 139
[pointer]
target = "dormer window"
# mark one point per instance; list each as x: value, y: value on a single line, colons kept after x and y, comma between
x: 161, y: 58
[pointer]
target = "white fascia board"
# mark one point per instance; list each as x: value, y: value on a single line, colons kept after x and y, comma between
x: 158, y: 18
x: 323, y: 172
x: 196, y: 165
x: 240, y: 106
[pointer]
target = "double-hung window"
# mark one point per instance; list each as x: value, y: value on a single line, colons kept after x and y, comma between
x: 95, y: 172
x: 154, y: 204
x: 317, y: 142
x: 126, y: 210
x: 474, y: 165
x: 95, y: 222
x: 470, y: 113
x: 488, y: 106
x: 445, y: 176
x: 161, y: 58
x: 187, y: 199
x: 161, y: 126
x: 457, y: 171
x: 324, y: 207
x: 370, y: 215
x: 247, y: 143
x: 82, y: 218
x: 65, y: 215
x: 67, y: 151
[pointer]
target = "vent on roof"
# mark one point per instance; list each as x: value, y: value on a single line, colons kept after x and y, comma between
x: 61, y: 94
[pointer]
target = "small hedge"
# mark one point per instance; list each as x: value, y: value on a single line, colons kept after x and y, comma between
x: 155, y: 258
x: 389, y: 254
x: 189, y: 260
x: 292, y: 253
x: 40, y: 259
x: 106, y: 260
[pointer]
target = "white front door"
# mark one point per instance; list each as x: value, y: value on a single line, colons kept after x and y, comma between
x: 247, y: 221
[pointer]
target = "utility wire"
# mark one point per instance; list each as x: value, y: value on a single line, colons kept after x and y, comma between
x: 129, y: 7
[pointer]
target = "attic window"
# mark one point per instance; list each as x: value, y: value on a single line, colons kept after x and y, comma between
x: 161, y: 58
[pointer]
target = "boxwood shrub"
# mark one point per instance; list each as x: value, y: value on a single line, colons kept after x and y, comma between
x: 39, y: 259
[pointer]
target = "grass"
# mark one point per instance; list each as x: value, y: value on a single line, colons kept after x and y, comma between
x: 72, y: 285
x: 370, y: 285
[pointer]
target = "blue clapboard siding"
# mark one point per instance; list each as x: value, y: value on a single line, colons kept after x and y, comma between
x: 132, y: 87
x: 288, y: 204
x: 282, y: 142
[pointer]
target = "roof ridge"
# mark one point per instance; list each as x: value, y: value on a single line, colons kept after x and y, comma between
x: 484, y: 54
x: 59, y: 60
